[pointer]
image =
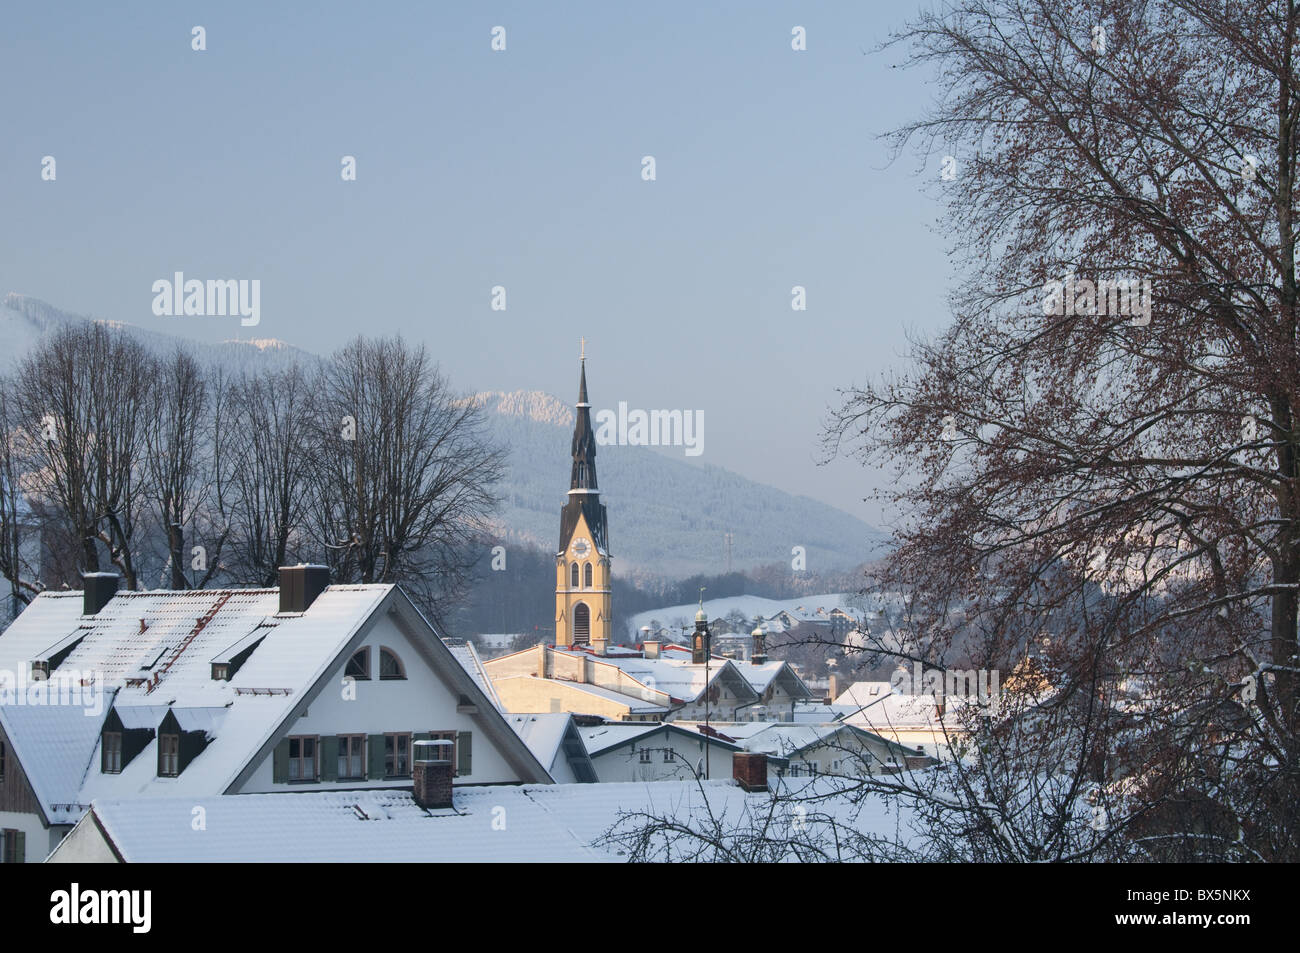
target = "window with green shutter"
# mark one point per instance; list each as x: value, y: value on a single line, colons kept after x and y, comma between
x: 376, y: 758
x: 329, y: 758
x: 280, y: 763
x: 464, y: 751
x: 13, y: 847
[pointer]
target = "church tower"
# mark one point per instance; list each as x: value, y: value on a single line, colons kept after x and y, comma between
x: 582, y: 603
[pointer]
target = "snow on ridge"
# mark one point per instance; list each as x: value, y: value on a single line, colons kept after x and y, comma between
x: 533, y: 405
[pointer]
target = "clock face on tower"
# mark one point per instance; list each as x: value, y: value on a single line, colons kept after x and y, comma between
x: 581, y: 548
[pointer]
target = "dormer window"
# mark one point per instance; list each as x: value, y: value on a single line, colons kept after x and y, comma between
x: 359, y: 665
x: 40, y: 671
x: 390, y: 666
x: 220, y: 672
x: 169, y: 755
x: 111, y: 762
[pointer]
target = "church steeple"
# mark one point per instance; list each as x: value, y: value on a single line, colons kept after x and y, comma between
x: 582, y: 590
x: 584, y: 440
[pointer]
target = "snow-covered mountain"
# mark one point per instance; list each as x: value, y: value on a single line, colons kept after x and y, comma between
x: 25, y: 320
x: 668, y: 514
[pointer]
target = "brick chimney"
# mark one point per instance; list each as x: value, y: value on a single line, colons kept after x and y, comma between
x: 749, y: 770
x: 432, y: 772
x: 97, y: 588
x: 300, y: 585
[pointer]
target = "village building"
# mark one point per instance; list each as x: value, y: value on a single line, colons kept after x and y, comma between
x: 311, y: 686
x: 656, y: 752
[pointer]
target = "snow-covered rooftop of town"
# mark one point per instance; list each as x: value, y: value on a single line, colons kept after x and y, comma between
x: 529, y: 823
x: 145, y: 652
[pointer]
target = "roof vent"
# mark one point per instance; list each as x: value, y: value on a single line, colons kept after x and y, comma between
x: 300, y: 585
x: 96, y: 589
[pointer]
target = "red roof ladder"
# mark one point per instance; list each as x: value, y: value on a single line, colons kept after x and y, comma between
x: 198, y: 627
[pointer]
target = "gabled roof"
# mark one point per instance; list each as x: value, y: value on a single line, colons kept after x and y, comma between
x: 633, y: 704
x: 601, y: 738
x: 681, y: 679
x: 149, y: 653
x: 468, y: 657
x: 552, y: 735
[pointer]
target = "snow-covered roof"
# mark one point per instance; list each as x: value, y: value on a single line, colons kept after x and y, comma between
x: 543, y: 823
x: 677, y: 677
x: 468, y: 657
x: 542, y: 732
x: 875, y: 706
x: 147, y: 653
x: 599, y: 738
x: 603, y: 737
x: 633, y: 704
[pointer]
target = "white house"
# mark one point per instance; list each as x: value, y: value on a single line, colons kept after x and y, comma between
x: 121, y: 695
x: 808, y: 750
x: 656, y: 752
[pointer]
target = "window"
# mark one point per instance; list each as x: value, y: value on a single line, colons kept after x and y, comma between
x: 359, y: 665
x: 390, y: 666
x: 397, y: 756
x: 12, y: 847
x: 573, y: 576
x: 645, y: 755
x: 586, y: 575
x: 112, y: 752
x: 169, y: 756
x: 451, y: 752
x: 668, y: 755
x: 302, y: 759
x: 581, y: 624
x: 352, y: 758
x: 220, y: 672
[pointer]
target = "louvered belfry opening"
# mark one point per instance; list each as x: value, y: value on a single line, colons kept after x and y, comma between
x: 581, y: 624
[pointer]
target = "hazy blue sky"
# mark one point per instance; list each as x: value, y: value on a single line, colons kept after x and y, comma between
x: 478, y: 168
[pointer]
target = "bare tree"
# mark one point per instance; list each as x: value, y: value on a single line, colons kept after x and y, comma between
x: 17, y: 520
x: 265, y: 440
x: 82, y: 396
x: 1106, y: 479
x: 404, y: 474
x: 176, y: 442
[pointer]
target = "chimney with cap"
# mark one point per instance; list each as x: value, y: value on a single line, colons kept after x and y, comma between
x: 300, y: 585
x: 97, y: 588
x: 749, y: 770
x: 431, y: 770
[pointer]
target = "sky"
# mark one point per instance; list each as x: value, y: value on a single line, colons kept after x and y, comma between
x: 520, y: 168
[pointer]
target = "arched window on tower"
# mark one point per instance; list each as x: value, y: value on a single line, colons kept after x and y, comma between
x: 573, y: 576
x: 581, y: 622
x: 586, y: 575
